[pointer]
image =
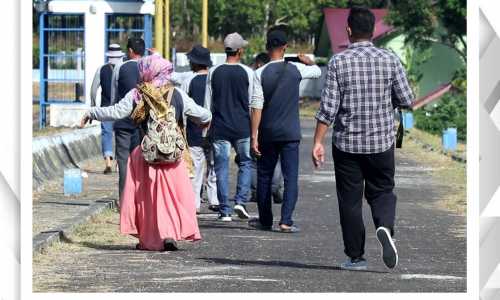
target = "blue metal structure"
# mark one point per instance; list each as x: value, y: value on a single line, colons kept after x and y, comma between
x: 62, y: 39
x: 120, y: 27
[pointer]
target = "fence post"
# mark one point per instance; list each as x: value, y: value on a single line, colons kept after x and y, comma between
x: 148, y: 36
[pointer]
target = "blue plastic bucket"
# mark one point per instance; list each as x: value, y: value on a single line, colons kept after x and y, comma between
x: 450, y: 139
x: 407, y: 120
x: 72, y: 182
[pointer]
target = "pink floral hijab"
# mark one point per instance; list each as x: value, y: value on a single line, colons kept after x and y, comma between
x: 153, y: 69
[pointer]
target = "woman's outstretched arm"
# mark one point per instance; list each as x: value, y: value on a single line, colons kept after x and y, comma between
x: 120, y: 110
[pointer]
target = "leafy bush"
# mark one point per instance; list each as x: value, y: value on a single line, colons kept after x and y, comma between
x: 450, y: 111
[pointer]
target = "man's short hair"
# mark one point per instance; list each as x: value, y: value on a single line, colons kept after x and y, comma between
x: 137, y: 45
x: 361, y: 21
x: 197, y: 67
x: 230, y: 52
x: 262, y: 58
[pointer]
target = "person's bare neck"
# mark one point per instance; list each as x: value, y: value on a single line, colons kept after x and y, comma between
x: 202, y: 71
x: 276, y: 56
x: 359, y: 40
x: 135, y: 56
x: 233, y: 59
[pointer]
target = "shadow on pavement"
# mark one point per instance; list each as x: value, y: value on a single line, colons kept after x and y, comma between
x: 221, y: 226
x: 64, y: 203
x: 277, y: 263
x: 107, y: 246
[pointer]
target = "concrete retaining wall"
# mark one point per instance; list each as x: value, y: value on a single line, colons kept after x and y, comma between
x: 52, y: 154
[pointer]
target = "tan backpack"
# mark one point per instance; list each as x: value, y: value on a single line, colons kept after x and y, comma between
x: 164, y: 141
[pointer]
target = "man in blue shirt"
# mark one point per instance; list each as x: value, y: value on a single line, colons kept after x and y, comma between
x: 276, y: 128
x: 228, y: 93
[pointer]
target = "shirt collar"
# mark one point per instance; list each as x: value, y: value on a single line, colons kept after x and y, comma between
x: 360, y: 44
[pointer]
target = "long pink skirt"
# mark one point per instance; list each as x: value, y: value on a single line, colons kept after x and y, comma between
x: 158, y: 202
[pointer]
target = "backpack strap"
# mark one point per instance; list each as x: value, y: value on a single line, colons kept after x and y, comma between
x: 169, y: 94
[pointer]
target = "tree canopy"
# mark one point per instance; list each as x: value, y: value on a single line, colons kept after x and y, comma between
x: 425, y: 22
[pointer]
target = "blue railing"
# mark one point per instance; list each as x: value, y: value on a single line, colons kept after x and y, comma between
x: 121, y: 27
x: 62, y: 46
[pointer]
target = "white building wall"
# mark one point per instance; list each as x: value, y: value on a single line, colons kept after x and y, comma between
x: 95, y: 12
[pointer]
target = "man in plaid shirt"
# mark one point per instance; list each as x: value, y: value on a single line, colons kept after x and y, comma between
x: 363, y: 86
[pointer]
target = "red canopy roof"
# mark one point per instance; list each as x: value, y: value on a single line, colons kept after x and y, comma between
x: 432, y: 96
x: 336, y: 22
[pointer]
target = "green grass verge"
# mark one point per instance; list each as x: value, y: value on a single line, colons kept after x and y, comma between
x: 445, y: 170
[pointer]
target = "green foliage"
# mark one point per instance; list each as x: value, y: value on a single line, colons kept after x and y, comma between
x: 255, y: 46
x: 450, y: 111
x: 425, y: 22
x: 252, y: 18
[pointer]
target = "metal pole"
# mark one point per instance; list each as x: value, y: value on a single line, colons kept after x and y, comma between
x: 147, y: 30
x: 166, y: 15
x: 204, y: 24
x: 42, y: 70
x: 159, y: 26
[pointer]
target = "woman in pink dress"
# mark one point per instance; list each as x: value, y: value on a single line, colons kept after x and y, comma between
x: 158, y: 202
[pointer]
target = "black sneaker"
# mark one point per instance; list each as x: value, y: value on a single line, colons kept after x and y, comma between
x: 255, y: 223
x: 278, y: 196
x: 170, y: 245
x: 107, y: 170
x: 241, y: 211
x: 389, y: 251
x: 214, y: 208
x: 224, y: 218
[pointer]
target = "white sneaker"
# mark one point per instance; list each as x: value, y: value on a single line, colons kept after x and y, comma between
x: 224, y: 218
x: 389, y: 251
x: 241, y: 211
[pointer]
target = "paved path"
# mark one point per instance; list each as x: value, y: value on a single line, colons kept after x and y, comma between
x: 53, y: 210
x: 235, y: 258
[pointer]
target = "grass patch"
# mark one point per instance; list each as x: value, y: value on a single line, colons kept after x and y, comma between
x: 102, y: 232
x: 308, y: 107
x: 51, y: 131
x: 435, y: 141
x: 446, y: 170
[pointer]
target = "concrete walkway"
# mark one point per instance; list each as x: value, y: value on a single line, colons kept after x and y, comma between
x: 234, y: 258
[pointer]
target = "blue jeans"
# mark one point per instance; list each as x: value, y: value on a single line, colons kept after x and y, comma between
x: 289, y: 154
x: 107, y: 138
x: 222, y: 150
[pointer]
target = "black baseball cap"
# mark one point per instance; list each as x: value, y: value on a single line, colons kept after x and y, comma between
x: 276, y: 38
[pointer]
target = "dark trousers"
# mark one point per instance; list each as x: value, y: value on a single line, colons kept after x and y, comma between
x: 372, y: 174
x: 289, y: 154
x: 125, y: 141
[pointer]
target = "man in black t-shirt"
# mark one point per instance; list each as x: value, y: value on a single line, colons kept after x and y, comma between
x: 103, y: 79
x: 228, y: 93
x: 201, y: 153
x: 276, y: 128
x: 125, y: 78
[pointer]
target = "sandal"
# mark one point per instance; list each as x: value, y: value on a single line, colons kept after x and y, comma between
x: 290, y: 229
